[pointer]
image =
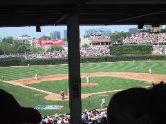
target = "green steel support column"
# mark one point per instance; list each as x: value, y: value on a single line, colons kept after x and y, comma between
x: 74, y: 66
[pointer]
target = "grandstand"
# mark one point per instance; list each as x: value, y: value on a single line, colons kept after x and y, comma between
x: 157, y: 40
x: 146, y: 38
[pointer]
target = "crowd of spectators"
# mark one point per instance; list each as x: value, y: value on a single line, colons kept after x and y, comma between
x: 144, y: 38
x: 156, y: 39
x: 84, y: 52
x: 47, y: 55
x: 159, y: 50
x: 96, y: 116
x: 97, y: 50
x: 11, y: 55
x: 55, y: 119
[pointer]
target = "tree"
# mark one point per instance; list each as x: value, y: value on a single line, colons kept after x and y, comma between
x: 7, y: 48
x: 118, y: 36
x: 44, y: 37
x: 8, y: 40
x: 0, y: 39
x: 85, y: 45
x: 37, y: 49
x: 55, y: 48
x: 23, y: 48
x: 1, y: 52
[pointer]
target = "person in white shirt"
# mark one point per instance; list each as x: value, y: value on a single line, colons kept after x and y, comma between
x: 150, y: 71
x: 36, y: 76
x: 102, y: 102
x: 87, y: 78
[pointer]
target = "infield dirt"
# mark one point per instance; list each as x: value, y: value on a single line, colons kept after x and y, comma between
x: 148, y: 78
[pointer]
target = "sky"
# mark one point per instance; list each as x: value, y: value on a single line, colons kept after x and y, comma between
x: 46, y: 30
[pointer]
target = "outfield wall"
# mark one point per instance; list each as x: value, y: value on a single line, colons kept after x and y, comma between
x: 24, y: 62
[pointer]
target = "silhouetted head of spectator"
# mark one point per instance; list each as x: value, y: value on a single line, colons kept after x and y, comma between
x: 138, y: 106
x: 12, y: 113
x: 158, y: 96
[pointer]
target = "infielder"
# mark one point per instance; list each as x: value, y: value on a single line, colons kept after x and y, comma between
x: 87, y: 78
x: 150, y: 71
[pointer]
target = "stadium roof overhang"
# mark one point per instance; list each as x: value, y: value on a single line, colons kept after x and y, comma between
x: 54, y: 12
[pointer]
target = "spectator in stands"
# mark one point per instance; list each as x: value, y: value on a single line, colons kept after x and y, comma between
x: 138, y: 106
x: 12, y: 113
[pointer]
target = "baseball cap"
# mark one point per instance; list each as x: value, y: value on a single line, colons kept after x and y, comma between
x: 12, y: 113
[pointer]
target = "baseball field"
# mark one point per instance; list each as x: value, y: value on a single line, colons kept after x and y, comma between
x: 105, y: 79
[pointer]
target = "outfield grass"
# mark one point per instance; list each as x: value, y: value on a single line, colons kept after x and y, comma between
x: 158, y: 67
x: 104, y: 84
x: 11, y: 73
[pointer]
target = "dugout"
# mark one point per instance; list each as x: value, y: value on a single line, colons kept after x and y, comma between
x: 79, y: 12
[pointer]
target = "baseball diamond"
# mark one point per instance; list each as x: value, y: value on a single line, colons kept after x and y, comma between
x: 105, y: 79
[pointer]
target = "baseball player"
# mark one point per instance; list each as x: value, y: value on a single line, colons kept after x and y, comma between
x: 87, y: 78
x: 150, y: 71
x: 36, y: 76
x: 62, y: 94
x: 102, y: 102
x: 2, y: 77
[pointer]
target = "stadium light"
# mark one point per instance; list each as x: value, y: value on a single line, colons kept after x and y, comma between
x: 38, y: 29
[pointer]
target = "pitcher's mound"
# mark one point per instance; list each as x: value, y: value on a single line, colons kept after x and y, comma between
x: 91, y: 84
